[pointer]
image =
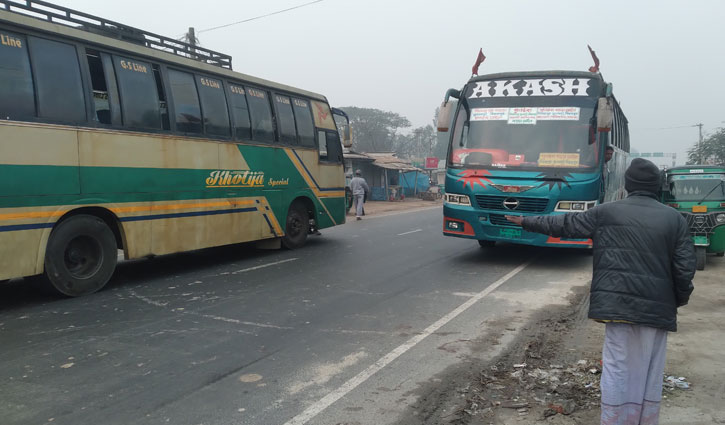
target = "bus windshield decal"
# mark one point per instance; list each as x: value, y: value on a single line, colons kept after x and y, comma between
x: 532, y: 87
x: 523, y: 115
x: 555, y: 159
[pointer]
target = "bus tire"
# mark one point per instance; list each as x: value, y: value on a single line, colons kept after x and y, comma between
x: 720, y: 254
x: 81, y: 255
x: 486, y: 244
x: 701, y: 255
x: 296, y: 226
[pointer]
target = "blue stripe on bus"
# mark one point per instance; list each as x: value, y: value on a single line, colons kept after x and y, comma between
x: 270, y: 224
x: 189, y: 214
x: 16, y: 227
x: 321, y: 189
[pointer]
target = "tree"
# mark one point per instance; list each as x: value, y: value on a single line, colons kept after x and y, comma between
x: 418, y: 144
x: 374, y: 130
x: 710, y: 151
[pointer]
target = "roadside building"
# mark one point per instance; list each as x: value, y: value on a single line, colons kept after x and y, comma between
x: 389, y: 177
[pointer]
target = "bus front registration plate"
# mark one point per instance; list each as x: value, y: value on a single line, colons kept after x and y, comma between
x: 510, y: 233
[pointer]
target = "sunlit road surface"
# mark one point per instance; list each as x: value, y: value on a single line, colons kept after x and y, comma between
x: 343, y: 330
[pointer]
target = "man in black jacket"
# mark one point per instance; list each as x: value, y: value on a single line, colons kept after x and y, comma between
x: 644, y: 263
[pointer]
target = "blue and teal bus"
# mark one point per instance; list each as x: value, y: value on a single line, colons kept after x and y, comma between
x: 530, y: 143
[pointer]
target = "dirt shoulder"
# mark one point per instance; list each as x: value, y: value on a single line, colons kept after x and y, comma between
x: 383, y: 208
x: 550, y: 373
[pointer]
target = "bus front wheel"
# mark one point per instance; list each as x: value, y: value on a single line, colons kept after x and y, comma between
x: 81, y: 256
x: 296, y: 226
x: 486, y: 244
x: 701, y: 255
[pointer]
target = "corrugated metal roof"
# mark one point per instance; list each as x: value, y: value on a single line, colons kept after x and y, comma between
x: 389, y: 161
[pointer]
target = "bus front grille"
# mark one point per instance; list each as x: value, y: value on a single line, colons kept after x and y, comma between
x: 512, y: 203
x: 500, y: 220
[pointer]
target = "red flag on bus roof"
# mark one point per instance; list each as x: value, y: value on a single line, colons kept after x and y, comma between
x: 479, y: 60
x: 594, y: 68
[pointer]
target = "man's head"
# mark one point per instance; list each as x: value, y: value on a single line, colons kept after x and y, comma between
x: 358, y: 173
x: 608, y: 153
x: 642, y: 175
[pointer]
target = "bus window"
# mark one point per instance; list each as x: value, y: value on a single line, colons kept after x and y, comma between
x: 113, y: 98
x: 139, y: 95
x: 330, y: 147
x: 57, y: 80
x: 261, y: 114
x: 186, y: 102
x: 285, y: 120
x: 214, y: 106
x: 305, y: 126
x: 163, y: 104
x: 240, y: 112
x: 16, y: 82
x: 101, y: 98
x: 322, y: 137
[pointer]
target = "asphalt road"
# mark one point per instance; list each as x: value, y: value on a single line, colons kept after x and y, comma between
x: 345, y: 330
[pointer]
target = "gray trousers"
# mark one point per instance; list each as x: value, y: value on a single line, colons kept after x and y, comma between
x: 633, y: 360
x: 359, y: 199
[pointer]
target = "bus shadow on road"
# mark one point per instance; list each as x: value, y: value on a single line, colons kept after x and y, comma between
x: 513, y: 255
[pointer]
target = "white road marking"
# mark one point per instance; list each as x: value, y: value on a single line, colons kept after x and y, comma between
x: 240, y: 322
x: 412, y: 231
x: 148, y: 300
x: 265, y: 265
x: 464, y: 294
x: 326, y: 401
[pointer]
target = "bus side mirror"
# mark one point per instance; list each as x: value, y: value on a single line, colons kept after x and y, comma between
x: 605, y: 114
x: 445, y: 113
x: 347, y: 136
x: 347, y: 129
x: 444, y: 116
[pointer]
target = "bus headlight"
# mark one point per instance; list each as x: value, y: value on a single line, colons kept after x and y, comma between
x: 575, y: 206
x: 454, y: 199
x: 720, y: 218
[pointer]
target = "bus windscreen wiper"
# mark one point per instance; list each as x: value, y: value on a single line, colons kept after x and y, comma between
x: 711, y: 190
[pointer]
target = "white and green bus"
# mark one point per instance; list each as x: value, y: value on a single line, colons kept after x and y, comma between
x: 116, y: 138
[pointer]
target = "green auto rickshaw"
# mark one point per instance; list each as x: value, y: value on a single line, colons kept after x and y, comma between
x: 698, y: 192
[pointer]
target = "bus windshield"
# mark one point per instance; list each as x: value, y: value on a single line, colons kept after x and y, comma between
x: 524, y: 137
x: 697, y: 189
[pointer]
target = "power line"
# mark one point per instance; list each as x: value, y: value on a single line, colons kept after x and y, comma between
x: 668, y: 128
x: 260, y: 16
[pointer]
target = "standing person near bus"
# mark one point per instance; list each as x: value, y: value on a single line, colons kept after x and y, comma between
x: 359, y: 188
x: 644, y: 262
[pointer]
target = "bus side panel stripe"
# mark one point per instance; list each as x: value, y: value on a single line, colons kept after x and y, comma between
x: 269, y: 223
x: 189, y: 214
x: 16, y: 227
x: 321, y: 189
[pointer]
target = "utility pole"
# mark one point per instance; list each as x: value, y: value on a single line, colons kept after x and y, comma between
x: 699, y: 144
x: 191, y: 39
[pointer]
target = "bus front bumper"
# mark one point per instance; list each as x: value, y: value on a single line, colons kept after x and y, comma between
x: 464, y: 222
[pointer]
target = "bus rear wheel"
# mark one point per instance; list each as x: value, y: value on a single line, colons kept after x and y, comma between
x: 701, y: 255
x: 81, y: 256
x: 296, y: 226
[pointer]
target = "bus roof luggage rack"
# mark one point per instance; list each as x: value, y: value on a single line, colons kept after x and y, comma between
x: 79, y: 20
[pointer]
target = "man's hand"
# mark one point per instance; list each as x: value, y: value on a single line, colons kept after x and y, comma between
x: 516, y: 219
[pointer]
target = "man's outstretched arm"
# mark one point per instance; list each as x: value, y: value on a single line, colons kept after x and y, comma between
x: 570, y: 225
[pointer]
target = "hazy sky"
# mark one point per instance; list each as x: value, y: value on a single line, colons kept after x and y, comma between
x: 666, y: 59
